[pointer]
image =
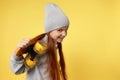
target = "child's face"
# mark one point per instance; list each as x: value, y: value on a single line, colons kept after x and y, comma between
x: 59, y: 34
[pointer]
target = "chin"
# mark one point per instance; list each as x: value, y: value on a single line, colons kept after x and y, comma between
x: 59, y: 41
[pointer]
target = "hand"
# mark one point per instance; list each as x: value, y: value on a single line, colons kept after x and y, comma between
x: 24, y: 43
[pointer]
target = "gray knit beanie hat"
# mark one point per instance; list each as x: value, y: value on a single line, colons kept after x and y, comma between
x: 54, y: 18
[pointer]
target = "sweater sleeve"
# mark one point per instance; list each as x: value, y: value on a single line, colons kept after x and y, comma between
x: 17, y: 64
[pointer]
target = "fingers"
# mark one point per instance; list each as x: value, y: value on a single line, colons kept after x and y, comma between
x: 23, y: 43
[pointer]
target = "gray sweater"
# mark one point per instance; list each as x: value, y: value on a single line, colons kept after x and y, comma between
x: 38, y: 72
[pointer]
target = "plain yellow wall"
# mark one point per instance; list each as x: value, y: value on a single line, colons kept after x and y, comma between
x: 92, y: 47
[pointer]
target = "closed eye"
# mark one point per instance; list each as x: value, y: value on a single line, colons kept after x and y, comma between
x: 60, y: 30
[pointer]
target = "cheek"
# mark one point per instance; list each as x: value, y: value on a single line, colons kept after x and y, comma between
x: 54, y: 36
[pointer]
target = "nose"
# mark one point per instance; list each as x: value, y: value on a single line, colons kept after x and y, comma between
x: 64, y: 33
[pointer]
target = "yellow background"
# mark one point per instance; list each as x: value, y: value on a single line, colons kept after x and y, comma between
x: 92, y: 47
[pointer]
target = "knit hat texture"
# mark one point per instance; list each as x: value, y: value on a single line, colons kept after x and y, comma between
x: 54, y: 18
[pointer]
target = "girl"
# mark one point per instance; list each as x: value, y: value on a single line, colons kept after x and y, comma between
x: 41, y: 60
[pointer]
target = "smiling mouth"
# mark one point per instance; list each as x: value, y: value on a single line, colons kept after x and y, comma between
x: 61, y: 38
